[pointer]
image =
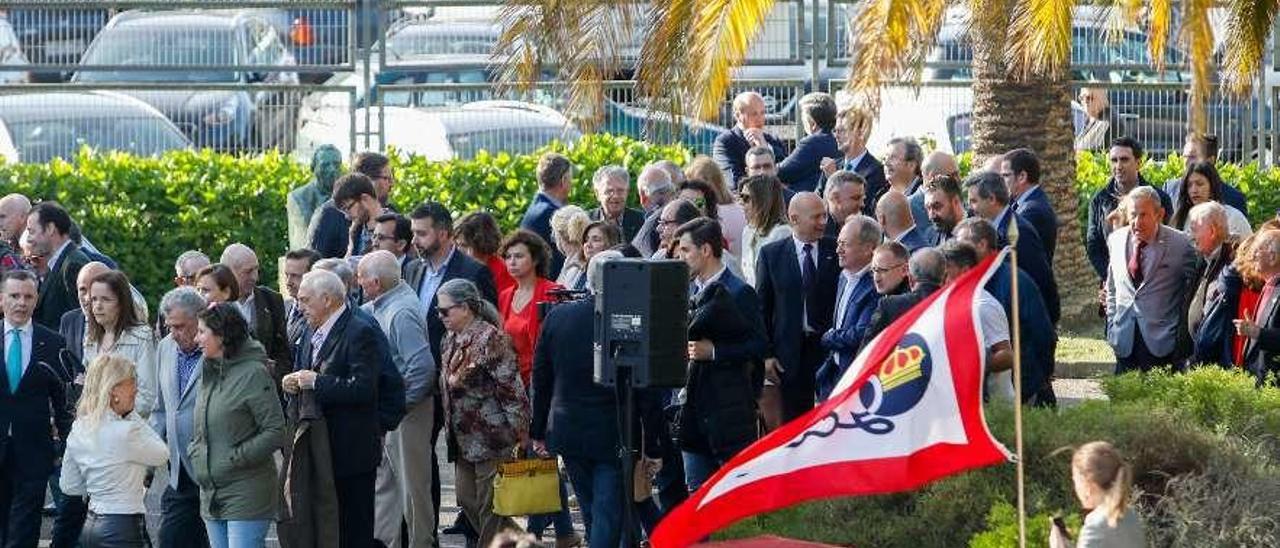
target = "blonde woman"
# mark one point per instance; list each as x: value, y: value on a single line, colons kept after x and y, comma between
x: 732, y: 216
x: 568, y: 228
x: 1103, y: 483
x: 115, y: 327
x: 108, y: 453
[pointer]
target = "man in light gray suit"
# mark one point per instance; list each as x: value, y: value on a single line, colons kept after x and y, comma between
x: 180, y: 360
x: 1149, y: 279
x: 403, y: 488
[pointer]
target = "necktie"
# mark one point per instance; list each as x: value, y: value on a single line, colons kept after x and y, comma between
x: 317, y: 339
x: 1135, y: 263
x: 808, y: 278
x: 13, y: 360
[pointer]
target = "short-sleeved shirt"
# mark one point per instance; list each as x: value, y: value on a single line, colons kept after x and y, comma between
x: 995, y: 330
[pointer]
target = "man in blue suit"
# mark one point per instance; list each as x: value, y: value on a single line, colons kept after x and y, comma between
x: 894, y: 214
x: 853, y: 128
x: 989, y: 199
x: 855, y: 302
x: 1204, y: 148
x: 796, y: 282
x: 1037, y: 337
x: 1020, y: 169
x: 33, y: 396
x: 801, y: 171
x: 730, y: 148
x: 1214, y: 300
x: 555, y: 180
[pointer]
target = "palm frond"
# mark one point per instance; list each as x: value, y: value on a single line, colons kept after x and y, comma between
x: 1196, y: 36
x: 889, y: 38
x: 1159, y: 19
x: 665, y: 53
x: 722, y: 31
x: 1040, y: 38
x: 1248, y: 26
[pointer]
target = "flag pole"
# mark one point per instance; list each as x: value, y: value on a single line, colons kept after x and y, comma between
x: 1015, y: 325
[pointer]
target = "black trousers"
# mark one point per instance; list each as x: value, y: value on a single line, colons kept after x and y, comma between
x: 799, y: 387
x: 115, y: 531
x: 1140, y: 358
x: 180, y: 523
x: 355, y: 509
x: 21, y: 500
x: 68, y: 520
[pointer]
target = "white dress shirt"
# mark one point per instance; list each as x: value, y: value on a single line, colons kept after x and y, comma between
x: 109, y: 463
x: 322, y: 334
x: 25, y: 337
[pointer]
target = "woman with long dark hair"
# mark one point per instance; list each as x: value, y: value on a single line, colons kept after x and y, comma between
x: 1201, y: 183
x: 116, y: 327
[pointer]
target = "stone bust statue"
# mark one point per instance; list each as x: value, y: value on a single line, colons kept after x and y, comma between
x: 326, y: 165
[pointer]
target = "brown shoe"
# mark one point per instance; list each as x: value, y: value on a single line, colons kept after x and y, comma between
x: 571, y: 541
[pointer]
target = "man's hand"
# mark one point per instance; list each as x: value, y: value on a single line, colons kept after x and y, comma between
x: 773, y: 371
x: 540, y: 448
x: 298, y: 380
x: 755, y: 136
x: 701, y: 350
x: 829, y: 166
x: 1247, y: 328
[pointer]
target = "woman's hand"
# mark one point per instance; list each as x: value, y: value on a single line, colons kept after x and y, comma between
x: 1058, y: 537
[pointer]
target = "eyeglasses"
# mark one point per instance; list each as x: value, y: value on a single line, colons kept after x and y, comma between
x: 665, y: 222
x: 347, y: 207
x: 884, y: 269
x: 443, y: 311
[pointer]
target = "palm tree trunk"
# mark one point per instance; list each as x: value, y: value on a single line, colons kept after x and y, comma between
x: 1035, y: 114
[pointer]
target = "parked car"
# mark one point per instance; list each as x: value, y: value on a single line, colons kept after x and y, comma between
x: 56, y: 36
x: 38, y: 127
x: 168, y: 47
x: 418, y: 36
x: 320, y: 37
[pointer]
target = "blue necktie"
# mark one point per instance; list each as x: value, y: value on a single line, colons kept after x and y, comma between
x: 13, y: 360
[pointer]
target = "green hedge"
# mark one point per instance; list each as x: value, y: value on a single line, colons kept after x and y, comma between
x: 144, y: 212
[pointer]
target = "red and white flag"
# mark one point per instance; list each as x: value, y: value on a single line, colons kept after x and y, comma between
x: 907, y: 412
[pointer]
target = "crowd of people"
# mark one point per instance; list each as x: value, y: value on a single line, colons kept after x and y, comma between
x: 319, y: 410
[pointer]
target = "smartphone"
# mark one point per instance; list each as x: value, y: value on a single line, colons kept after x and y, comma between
x: 1059, y: 524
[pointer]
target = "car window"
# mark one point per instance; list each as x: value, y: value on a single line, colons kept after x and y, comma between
x: 42, y: 140
x: 135, y: 46
x: 512, y: 141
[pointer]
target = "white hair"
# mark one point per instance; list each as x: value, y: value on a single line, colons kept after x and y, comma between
x: 653, y: 180
x: 604, y: 174
x: 324, y: 283
x: 595, y: 268
x: 1209, y: 212
x: 339, y: 267
x: 188, y: 256
x: 382, y: 266
x: 236, y: 253
x: 185, y: 299
x: 1145, y: 192
x: 740, y: 101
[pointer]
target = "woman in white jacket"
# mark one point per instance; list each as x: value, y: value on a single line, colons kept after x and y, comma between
x: 116, y: 327
x: 108, y: 453
x: 765, y: 206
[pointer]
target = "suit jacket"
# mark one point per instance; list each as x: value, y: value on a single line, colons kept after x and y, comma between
x: 295, y: 325
x: 58, y: 292
x: 1038, y: 211
x: 346, y: 390
x: 1262, y: 355
x: 174, y: 415
x: 632, y: 220
x: 460, y: 266
x: 271, y: 331
x: 1230, y: 195
x: 1103, y: 202
x: 1036, y: 335
x: 330, y: 231
x: 538, y: 219
x: 575, y: 416
x: 891, y: 307
x: 801, y: 170
x: 914, y: 238
x: 872, y: 171
x: 730, y: 152
x: 1157, y: 307
x: 41, y: 399
x: 72, y: 327
x: 1214, y: 303
x: 1033, y: 260
x: 782, y: 302
x: 843, y: 342
x: 647, y: 239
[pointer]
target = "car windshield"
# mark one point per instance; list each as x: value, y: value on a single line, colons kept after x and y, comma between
x: 141, y: 47
x: 438, y: 97
x: 437, y: 40
x: 512, y: 141
x: 39, y: 141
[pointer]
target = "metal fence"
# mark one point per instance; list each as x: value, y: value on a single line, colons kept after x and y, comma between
x: 248, y: 75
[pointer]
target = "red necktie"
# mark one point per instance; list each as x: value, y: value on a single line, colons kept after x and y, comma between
x: 1135, y: 263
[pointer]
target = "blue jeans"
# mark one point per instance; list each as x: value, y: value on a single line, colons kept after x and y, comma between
x: 598, y: 484
x: 237, y: 533
x: 698, y: 468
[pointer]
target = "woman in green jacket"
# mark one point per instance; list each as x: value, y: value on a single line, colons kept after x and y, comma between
x: 238, y: 427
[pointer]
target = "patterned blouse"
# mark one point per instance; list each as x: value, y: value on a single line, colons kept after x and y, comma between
x: 485, y: 404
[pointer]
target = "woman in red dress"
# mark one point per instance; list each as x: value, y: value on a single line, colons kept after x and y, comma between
x: 477, y: 234
x: 527, y: 259
x: 1250, y: 293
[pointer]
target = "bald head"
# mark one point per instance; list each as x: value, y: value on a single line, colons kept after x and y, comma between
x: 85, y: 279
x: 939, y: 163
x: 243, y: 262
x: 377, y: 273
x: 748, y: 110
x: 13, y: 216
x: 894, y: 213
x: 808, y: 216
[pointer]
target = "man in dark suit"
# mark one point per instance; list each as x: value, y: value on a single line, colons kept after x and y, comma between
x: 989, y: 199
x: 796, y: 282
x: 844, y: 193
x: 1262, y: 349
x: 927, y: 270
x: 730, y: 148
x: 893, y: 212
x: 329, y: 233
x: 33, y: 397
x: 263, y: 307
x: 1020, y: 169
x: 1212, y: 305
x: 73, y: 324
x: 801, y: 170
x: 656, y: 190
x: 338, y: 366
x: 944, y: 201
x: 855, y: 302
x: 297, y: 262
x: 1204, y: 148
x: 49, y: 228
x: 555, y: 180
x: 612, y: 184
x: 853, y: 128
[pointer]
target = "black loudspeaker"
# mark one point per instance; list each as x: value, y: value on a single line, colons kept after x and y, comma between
x: 642, y: 322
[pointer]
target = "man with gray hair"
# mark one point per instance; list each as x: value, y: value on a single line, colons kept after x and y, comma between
x: 180, y: 360
x: 730, y: 148
x: 187, y: 266
x: 1210, y: 315
x: 403, y: 491
x: 844, y: 194
x: 856, y: 299
x: 801, y: 171
x: 988, y: 198
x: 612, y: 184
x: 656, y: 190
x: 262, y: 308
x: 927, y: 270
x: 347, y: 275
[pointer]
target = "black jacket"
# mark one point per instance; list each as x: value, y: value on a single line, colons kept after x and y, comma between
x: 330, y: 231
x: 782, y: 300
x: 801, y: 170
x: 892, y: 307
x: 41, y: 400
x: 459, y: 266
x: 730, y: 153
x: 632, y: 220
x: 58, y: 292
x: 271, y: 331
x: 538, y: 219
x: 1262, y: 355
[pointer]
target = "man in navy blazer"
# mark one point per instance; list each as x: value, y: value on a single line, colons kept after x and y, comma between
x: 555, y: 180
x: 440, y: 262
x: 1020, y: 169
x: 49, y: 228
x: 338, y: 365
x: 33, y: 395
x: 1204, y: 148
x: 796, y: 282
x: 855, y: 302
x: 802, y: 170
x: 730, y: 148
x: 894, y: 214
x: 853, y: 128
x: 1215, y: 296
x: 927, y: 271
x: 989, y: 199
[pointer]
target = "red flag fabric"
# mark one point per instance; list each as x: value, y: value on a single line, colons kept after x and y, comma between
x: 907, y: 412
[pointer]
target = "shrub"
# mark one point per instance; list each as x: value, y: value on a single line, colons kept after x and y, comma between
x: 1002, y: 528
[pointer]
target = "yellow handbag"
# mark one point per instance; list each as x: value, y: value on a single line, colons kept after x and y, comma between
x: 526, y: 487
